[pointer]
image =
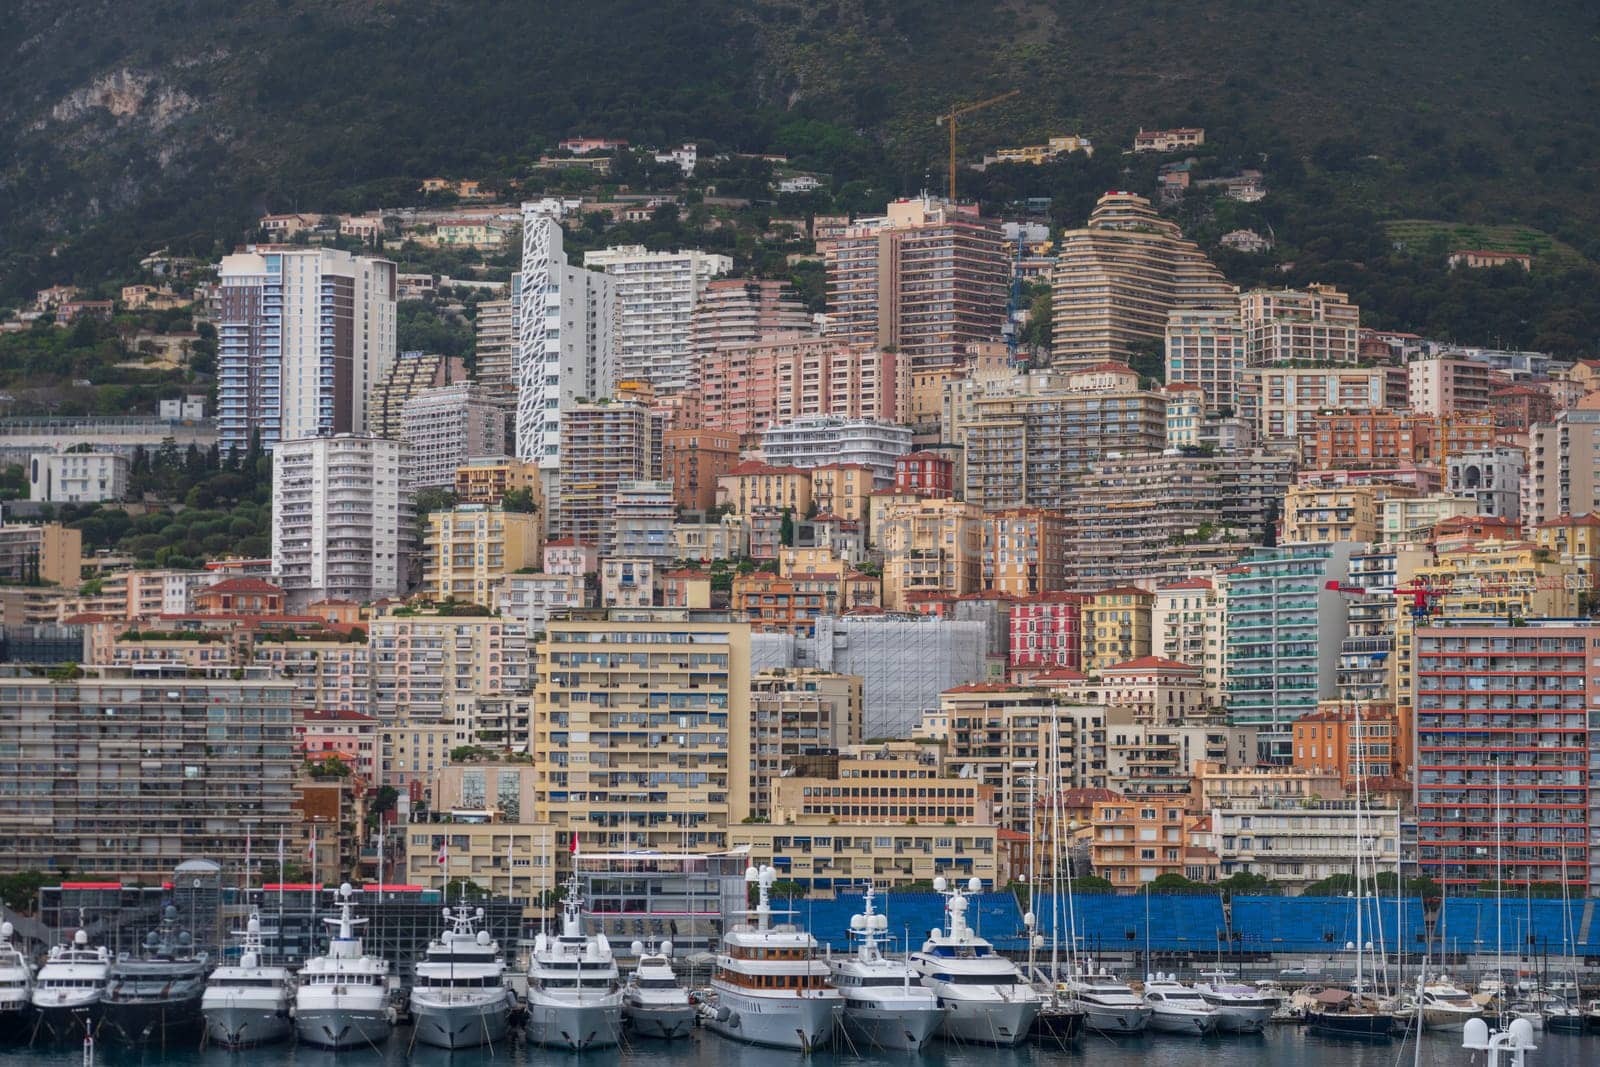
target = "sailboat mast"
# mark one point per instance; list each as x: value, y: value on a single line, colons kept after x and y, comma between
x: 1359, y: 939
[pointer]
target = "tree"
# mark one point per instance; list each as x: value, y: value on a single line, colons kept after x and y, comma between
x: 1169, y: 882
x: 786, y: 528
x: 20, y: 892
x: 519, y: 500
x: 1091, y: 883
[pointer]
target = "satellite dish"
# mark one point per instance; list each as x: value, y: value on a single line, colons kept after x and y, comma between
x: 974, y: 884
x: 638, y: 948
x: 345, y: 889
x: 751, y: 874
x: 1028, y: 919
x: 858, y: 923
x: 940, y: 885
x: 666, y: 948
x: 483, y: 937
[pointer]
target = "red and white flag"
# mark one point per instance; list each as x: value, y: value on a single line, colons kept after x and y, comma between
x: 573, y: 845
x: 444, y: 855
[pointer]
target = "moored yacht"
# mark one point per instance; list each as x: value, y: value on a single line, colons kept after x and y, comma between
x: 770, y: 987
x: 154, y: 999
x: 16, y: 986
x: 885, y: 1003
x: 986, y: 999
x: 69, y: 988
x: 248, y: 1003
x: 1446, y: 1006
x: 1109, y: 1004
x: 653, y: 1003
x: 343, y: 996
x: 1241, y: 1009
x: 574, y: 995
x: 1177, y: 1009
x: 459, y: 998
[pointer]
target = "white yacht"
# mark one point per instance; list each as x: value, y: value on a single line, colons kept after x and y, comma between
x: 653, y: 1003
x: 16, y: 986
x: 460, y: 998
x: 1177, y: 1009
x: 574, y: 999
x: 70, y: 986
x: 886, y: 1006
x: 343, y: 997
x: 247, y: 1003
x: 770, y: 987
x: 1446, y: 1006
x: 1241, y: 1009
x: 986, y: 999
x: 1109, y: 1004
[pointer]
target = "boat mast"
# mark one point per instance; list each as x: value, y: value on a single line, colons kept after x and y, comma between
x: 1359, y: 897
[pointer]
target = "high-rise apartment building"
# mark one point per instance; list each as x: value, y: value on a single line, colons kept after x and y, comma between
x: 1563, y: 461
x: 795, y: 714
x: 444, y: 428
x: 487, y: 479
x: 303, y: 336
x: 1116, y: 280
x: 603, y: 445
x: 746, y: 388
x: 656, y: 297
x: 1449, y: 385
x: 1283, y: 403
x: 1285, y: 628
x: 742, y: 311
x: 341, y: 518
x: 185, y: 762
x: 929, y: 545
x: 642, y: 514
x: 1024, y: 551
x: 644, y: 718
x: 1503, y: 762
x: 821, y: 440
x: 692, y: 460
x: 926, y: 279
x: 496, y: 348
x: 410, y: 374
x: 1028, y: 449
x: 1205, y: 347
x: 565, y: 319
x: 468, y: 551
x: 1313, y: 325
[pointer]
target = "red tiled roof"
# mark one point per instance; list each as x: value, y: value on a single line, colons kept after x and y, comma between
x: 1186, y: 583
x: 1061, y: 674
x: 242, y: 585
x: 1565, y: 521
x: 756, y: 466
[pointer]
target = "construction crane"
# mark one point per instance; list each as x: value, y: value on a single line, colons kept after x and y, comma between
x: 951, y: 117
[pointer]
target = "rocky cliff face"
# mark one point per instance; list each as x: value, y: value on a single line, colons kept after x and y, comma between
x: 129, y: 96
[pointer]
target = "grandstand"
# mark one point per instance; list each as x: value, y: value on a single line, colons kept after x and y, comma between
x: 1198, y: 923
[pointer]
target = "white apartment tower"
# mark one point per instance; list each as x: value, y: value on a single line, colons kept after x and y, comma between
x: 303, y: 335
x: 565, y: 321
x: 341, y: 518
x: 656, y: 294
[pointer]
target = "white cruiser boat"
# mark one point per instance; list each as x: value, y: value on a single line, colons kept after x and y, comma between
x: 1177, y: 1009
x: 1241, y: 1009
x: 653, y: 1003
x: 343, y: 998
x: 1446, y: 1006
x: 986, y: 999
x: 770, y: 987
x: 460, y: 998
x: 248, y: 1003
x: 16, y: 986
x: 886, y: 1006
x: 70, y: 987
x: 574, y: 996
x: 1109, y: 1004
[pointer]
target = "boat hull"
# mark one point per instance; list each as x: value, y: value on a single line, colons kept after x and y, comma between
x: 241, y: 1026
x: 988, y: 1022
x: 1242, y: 1018
x: 662, y: 1023
x: 1187, y: 1023
x: 574, y: 1027
x: 341, y: 1028
x: 1444, y: 1020
x: 1564, y: 1024
x: 461, y: 1024
x: 1116, y: 1020
x: 800, y: 1023
x: 1059, y: 1025
x: 156, y: 1024
x: 66, y: 1021
x: 1374, y: 1027
x: 870, y: 1026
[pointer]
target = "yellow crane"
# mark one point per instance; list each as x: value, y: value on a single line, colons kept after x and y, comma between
x: 951, y: 119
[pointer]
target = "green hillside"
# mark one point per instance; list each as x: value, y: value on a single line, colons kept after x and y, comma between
x: 126, y: 126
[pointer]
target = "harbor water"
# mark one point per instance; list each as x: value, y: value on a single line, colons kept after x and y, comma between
x: 1281, y: 1046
